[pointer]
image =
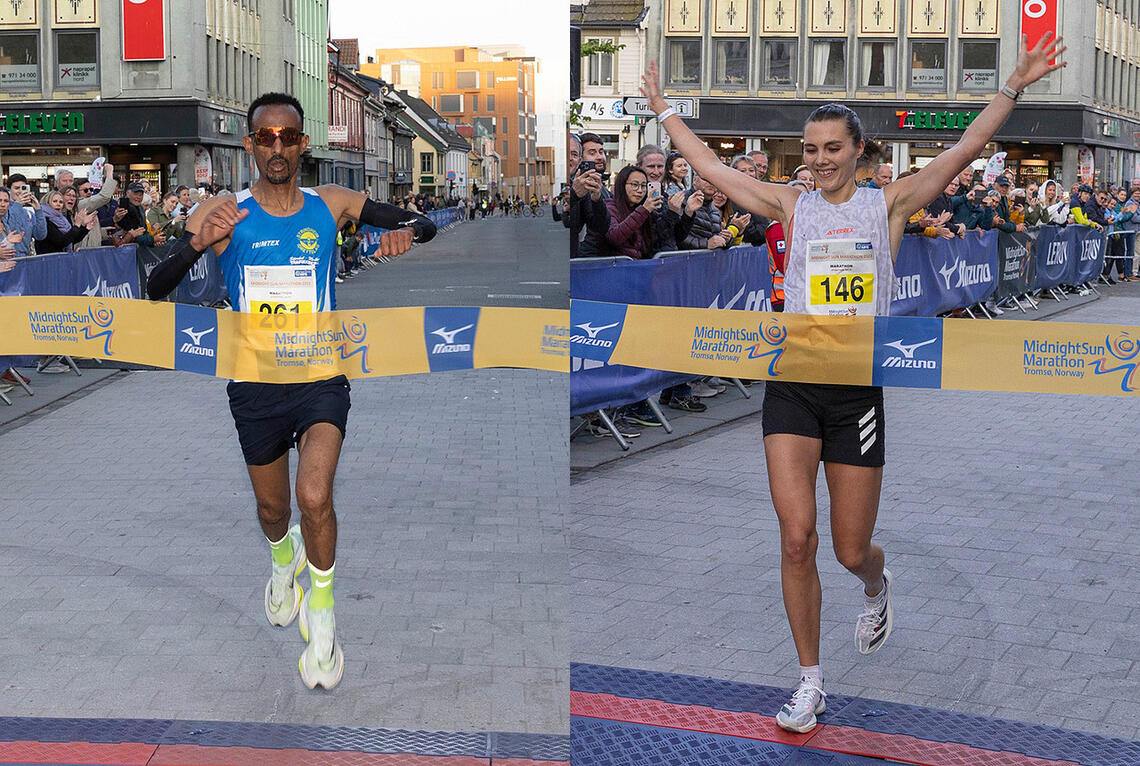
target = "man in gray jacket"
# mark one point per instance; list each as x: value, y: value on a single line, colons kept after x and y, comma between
x: 89, y: 201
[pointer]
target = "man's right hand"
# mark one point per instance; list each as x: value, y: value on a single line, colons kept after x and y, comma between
x: 588, y: 183
x: 218, y: 224
x: 696, y: 201
x: 119, y: 214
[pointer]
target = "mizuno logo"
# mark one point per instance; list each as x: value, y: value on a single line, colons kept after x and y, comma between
x: 91, y: 292
x: 449, y: 335
x: 908, y: 351
x: 731, y: 302
x: 593, y: 331
x: 197, y: 336
x: 107, y: 290
x: 968, y: 274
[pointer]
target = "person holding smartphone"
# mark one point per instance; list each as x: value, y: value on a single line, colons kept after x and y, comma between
x: 166, y: 222
x: 24, y: 215
x: 587, y: 194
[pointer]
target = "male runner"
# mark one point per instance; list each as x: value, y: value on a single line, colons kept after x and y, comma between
x: 277, y: 226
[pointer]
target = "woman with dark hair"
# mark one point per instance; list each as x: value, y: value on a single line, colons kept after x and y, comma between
x: 676, y: 174
x: 843, y: 242
x: 631, y: 215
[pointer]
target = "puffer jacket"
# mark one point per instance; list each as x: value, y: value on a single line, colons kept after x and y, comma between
x: 706, y: 224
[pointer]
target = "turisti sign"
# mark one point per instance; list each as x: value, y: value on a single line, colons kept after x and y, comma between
x: 935, y: 120
x: 15, y: 123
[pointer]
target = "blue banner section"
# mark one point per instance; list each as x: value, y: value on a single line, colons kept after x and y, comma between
x: 1055, y: 256
x: 908, y: 352
x: 102, y: 272
x: 933, y: 276
x: 449, y: 334
x: 441, y: 218
x: 727, y: 279
x: 1090, y: 247
x: 195, y: 339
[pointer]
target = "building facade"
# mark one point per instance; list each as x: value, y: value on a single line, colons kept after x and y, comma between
x: 493, y: 89
x: 915, y: 72
x: 128, y: 81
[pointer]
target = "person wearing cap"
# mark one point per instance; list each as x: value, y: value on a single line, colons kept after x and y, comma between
x: 132, y: 224
x: 1004, y: 207
x: 1086, y: 211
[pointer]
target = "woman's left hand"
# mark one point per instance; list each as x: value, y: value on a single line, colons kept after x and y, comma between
x: 1033, y: 64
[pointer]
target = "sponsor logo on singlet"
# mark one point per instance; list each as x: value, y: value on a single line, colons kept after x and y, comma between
x: 308, y: 241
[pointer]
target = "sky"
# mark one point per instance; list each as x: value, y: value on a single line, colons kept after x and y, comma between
x: 543, y: 26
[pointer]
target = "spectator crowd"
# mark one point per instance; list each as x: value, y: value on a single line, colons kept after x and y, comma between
x: 658, y: 205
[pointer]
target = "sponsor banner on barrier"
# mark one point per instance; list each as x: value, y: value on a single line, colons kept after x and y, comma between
x: 595, y: 328
x: 370, y: 242
x: 1015, y: 265
x: 911, y: 352
x: 284, y: 348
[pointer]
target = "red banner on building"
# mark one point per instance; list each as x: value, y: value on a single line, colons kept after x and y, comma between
x: 144, y: 30
x: 1037, y: 18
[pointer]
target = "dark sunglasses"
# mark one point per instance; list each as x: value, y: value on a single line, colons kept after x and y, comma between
x: 267, y: 136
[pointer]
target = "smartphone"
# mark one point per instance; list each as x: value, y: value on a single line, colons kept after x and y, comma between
x: 654, y: 188
x: 585, y: 167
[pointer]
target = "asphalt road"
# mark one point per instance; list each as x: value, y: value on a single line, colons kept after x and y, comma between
x: 492, y: 262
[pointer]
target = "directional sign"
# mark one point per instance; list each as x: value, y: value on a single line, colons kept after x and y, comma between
x: 686, y: 107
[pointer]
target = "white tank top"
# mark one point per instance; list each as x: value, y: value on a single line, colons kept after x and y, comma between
x: 839, y: 262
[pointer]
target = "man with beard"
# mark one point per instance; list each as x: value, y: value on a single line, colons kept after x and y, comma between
x: 278, y: 232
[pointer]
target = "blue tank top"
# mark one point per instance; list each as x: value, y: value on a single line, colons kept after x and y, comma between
x: 282, y: 264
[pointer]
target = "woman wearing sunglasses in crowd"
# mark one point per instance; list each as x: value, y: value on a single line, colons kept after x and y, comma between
x: 837, y: 229
x: 276, y: 244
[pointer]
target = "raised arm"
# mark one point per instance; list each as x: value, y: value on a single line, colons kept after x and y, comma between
x: 769, y: 200
x: 907, y: 195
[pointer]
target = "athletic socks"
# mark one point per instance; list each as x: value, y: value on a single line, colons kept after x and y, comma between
x: 812, y: 673
x: 282, y: 549
x: 321, y: 596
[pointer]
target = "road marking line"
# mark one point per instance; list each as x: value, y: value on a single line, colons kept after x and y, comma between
x: 508, y: 295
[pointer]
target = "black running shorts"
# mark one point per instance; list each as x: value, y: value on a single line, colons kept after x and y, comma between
x: 848, y: 419
x: 271, y: 417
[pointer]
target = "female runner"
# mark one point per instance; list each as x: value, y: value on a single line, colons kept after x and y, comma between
x: 844, y: 241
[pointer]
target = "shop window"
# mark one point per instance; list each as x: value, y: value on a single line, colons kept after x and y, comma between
x: 979, y: 65
x: 684, y: 62
x: 474, y: 102
x: 490, y: 102
x: 426, y: 162
x: 928, y: 64
x: 451, y: 103
x: 466, y: 80
x: 877, y: 64
x: 77, y: 60
x: 780, y: 62
x: 601, y: 65
x: 731, y: 66
x: 829, y: 63
x: 19, y: 61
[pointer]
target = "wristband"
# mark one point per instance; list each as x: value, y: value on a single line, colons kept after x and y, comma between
x: 666, y: 115
x: 1010, y: 92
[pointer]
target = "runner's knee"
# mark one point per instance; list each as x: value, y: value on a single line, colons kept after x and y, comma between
x: 314, y: 502
x: 852, y: 557
x: 799, y: 545
x: 272, y: 512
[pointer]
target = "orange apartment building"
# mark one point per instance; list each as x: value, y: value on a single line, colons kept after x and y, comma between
x: 493, y: 92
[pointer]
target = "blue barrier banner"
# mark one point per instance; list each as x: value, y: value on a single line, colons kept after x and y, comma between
x: 1055, y: 256
x: 1087, y: 250
x: 203, y: 286
x: 101, y: 272
x: 1016, y: 264
x: 371, y: 241
x: 933, y: 276
x: 724, y: 279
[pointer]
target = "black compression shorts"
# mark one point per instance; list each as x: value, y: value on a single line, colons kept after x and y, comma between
x: 271, y: 417
x: 848, y: 419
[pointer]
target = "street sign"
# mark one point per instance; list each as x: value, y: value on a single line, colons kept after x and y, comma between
x: 686, y: 107
x: 451, y: 175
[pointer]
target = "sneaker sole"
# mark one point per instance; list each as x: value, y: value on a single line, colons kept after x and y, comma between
x: 791, y: 726
x: 890, y: 623
x: 327, y: 682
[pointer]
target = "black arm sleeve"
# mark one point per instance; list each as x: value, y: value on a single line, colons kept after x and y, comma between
x: 170, y: 272
x: 385, y: 216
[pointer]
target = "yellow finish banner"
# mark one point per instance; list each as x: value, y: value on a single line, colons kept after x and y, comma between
x: 286, y: 347
x: 912, y: 352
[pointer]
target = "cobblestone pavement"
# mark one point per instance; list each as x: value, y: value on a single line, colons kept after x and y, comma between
x: 1009, y: 521
x: 136, y: 569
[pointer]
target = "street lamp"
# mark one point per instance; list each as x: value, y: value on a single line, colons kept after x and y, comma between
x: 625, y: 131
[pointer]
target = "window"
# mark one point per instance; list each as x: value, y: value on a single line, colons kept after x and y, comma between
x: 522, y: 148
x: 474, y: 102
x: 19, y: 61
x: 928, y: 64
x: 466, y: 80
x: 504, y: 148
x: 979, y: 65
x: 437, y: 80
x: 490, y: 79
x: 484, y: 126
x: 504, y: 125
x: 601, y: 65
x: 779, y: 62
x: 731, y: 66
x: 522, y: 101
x: 829, y: 64
x: 684, y: 62
x: 451, y: 103
x: 877, y: 66
x: 490, y: 102
x: 426, y: 162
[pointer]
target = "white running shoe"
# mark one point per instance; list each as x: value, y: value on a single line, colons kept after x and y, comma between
x: 322, y: 662
x: 876, y: 620
x: 799, y: 714
x: 702, y: 389
x: 283, y: 593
